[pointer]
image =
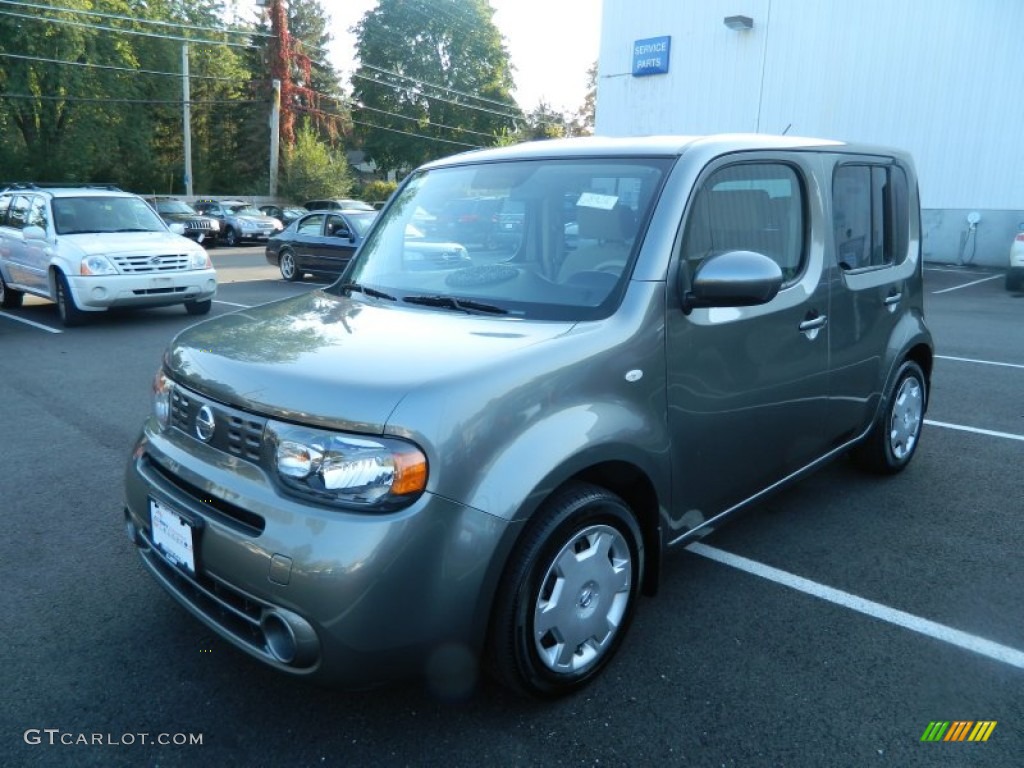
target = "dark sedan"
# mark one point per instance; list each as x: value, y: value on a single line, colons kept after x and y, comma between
x: 321, y: 243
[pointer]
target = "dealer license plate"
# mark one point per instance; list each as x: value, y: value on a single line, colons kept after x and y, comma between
x: 172, y: 535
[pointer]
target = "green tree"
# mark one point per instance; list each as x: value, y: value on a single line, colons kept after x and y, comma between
x: 313, y: 169
x: 434, y: 78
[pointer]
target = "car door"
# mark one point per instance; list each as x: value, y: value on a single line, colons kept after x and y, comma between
x: 748, y: 385
x: 27, y: 258
x: 335, y: 249
x: 871, y: 242
x: 306, y: 240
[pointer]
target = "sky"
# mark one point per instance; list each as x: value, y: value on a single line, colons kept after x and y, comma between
x: 551, y: 44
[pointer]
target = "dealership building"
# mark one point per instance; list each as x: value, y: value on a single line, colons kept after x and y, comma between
x: 940, y: 78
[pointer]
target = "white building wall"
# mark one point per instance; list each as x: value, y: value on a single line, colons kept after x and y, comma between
x: 941, y: 78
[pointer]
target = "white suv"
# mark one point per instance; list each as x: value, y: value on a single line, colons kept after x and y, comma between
x: 89, y: 249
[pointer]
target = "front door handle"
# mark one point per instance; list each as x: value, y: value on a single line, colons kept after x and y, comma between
x: 893, y: 298
x: 813, y: 323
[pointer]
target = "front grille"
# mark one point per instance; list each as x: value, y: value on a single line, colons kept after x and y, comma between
x: 199, y: 224
x: 144, y: 263
x: 224, y: 512
x: 236, y: 432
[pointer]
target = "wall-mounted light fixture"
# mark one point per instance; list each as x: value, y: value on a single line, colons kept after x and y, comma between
x: 739, y: 23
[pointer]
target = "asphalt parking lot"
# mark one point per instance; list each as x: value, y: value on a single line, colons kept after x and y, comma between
x: 829, y: 626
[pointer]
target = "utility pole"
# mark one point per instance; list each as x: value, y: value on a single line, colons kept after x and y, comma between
x: 186, y: 118
x: 275, y: 136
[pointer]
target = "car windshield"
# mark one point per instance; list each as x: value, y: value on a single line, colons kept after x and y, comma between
x: 174, y: 206
x: 543, y: 239
x: 244, y: 210
x: 81, y: 215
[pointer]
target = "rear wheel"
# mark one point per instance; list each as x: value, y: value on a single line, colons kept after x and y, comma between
x: 9, y: 298
x: 570, y: 592
x: 289, y: 269
x: 893, y: 441
x: 198, y: 307
x: 70, y: 314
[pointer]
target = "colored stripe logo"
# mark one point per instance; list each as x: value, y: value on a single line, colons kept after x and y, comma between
x: 959, y: 730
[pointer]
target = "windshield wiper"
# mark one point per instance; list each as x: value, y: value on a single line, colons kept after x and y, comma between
x: 450, y: 302
x: 367, y: 290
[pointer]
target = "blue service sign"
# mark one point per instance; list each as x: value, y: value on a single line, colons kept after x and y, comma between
x: 650, y: 56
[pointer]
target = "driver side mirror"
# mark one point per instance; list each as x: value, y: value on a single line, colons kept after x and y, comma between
x: 733, y: 279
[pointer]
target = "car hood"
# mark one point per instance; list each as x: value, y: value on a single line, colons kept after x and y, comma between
x: 341, y: 362
x: 182, y: 216
x: 110, y: 243
x: 255, y: 219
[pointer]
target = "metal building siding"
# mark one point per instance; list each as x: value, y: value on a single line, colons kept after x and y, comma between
x: 941, y: 78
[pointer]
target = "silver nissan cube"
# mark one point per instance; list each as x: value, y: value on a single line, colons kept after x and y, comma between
x: 430, y: 468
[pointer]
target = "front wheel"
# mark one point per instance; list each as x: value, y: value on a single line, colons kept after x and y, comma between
x: 231, y: 237
x: 198, y: 307
x: 70, y: 315
x: 569, y: 593
x: 893, y: 440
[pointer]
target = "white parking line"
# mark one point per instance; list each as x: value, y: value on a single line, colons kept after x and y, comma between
x: 232, y: 304
x: 975, y: 430
x: 40, y: 326
x: 968, y: 285
x: 955, y: 270
x: 979, y: 362
x: 932, y: 629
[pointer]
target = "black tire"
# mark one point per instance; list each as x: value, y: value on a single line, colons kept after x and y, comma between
x: 289, y: 268
x: 231, y: 237
x: 893, y: 440
x: 198, y: 307
x: 70, y: 315
x: 1013, y: 282
x: 574, y: 645
x: 9, y: 298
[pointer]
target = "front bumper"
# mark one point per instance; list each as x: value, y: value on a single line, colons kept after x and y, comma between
x: 97, y: 292
x: 350, y: 598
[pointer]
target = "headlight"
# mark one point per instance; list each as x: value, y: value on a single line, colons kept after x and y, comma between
x: 162, y: 388
x: 215, y: 226
x: 200, y: 260
x: 96, y: 265
x: 346, y: 470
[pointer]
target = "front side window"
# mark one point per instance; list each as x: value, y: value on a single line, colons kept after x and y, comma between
x: 870, y: 215
x: 544, y: 239
x: 748, y: 207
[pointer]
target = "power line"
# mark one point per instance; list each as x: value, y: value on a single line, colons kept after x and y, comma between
x: 504, y: 104
x: 390, y: 130
x: 175, y: 24
x: 417, y: 120
x: 113, y: 68
x: 395, y: 86
x: 33, y: 97
x: 177, y: 38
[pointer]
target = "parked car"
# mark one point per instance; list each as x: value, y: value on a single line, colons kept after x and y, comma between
x: 240, y: 221
x: 321, y: 243
x: 471, y: 221
x: 203, y: 229
x: 324, y: 242
x: 1015, y: 273
x: 90, y: 249
x: 413, y: 471
x: 286, y: 215
x: 341, y: 204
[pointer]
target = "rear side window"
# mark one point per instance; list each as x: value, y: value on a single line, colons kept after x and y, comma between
x: 312, y: 225
x: 18, y: 213
x: 870, y: 216
x: 749, y: 207
x: 5, y: 203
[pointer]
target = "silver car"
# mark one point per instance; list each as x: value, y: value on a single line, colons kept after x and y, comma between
x: 422, y: 471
